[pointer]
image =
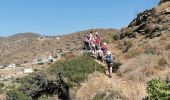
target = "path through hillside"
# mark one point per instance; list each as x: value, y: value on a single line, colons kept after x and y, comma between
x: 100, y: 82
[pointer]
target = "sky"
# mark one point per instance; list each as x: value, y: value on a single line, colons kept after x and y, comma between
x: 57, y: 17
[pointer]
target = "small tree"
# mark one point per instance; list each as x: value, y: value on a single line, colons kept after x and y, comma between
x: 158, y: 90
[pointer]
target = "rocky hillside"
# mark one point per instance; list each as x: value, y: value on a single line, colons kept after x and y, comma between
x: 144, y: 45
x: 142, y: 53
x: 163, y: 1
x: 150, y: 23
x: 26, y: 47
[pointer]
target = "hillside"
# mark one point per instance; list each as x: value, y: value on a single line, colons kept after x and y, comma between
x: 142, y: 54
x: 25, y: 47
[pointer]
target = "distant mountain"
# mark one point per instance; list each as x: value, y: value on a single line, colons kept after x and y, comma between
x: 24, y: 35
x: 28, y: 46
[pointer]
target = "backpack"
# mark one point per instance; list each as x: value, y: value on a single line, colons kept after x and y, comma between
x: 99, y: 54
x: 108, y: 58
x: 87, y: 39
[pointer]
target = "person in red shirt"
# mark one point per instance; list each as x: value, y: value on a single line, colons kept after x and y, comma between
x: 97, y: 40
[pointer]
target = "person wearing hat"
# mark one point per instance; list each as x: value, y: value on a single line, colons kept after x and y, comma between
x: 104, y: 48
x: 109, y: 62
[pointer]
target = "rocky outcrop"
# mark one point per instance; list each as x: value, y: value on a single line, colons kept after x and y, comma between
x: 150, y: 23
x: 163, y: 1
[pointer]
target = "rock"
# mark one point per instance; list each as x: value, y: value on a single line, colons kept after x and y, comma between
x: 163, y: 1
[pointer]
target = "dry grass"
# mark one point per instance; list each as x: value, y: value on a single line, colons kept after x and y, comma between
x: 99, y: 82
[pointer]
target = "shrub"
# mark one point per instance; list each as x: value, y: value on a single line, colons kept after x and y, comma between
x: 40, y: 63
x: 76, y: 69
x: 167, y: 47
x: 17, y: 95
x: 124, y: 46
x: 99, y: 96
x: 132, y: 53
x: 37, y: 85
x: 158, y: 90
x: 116, y: 37
x: 151, y: 50
x: 162, y: 62
x: 113, y: 95
x: 1, y: 86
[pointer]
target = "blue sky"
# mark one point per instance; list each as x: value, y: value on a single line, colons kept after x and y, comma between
x: 54, y: 17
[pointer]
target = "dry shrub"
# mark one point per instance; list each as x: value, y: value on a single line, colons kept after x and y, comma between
x: 167, y: 47
x: 125, y: 45
x: 70, y: 56
x: 133, y: 53
x: 153, y: 50
x: 148, y: 71
x: 162, y: 62
x: 109, y: 95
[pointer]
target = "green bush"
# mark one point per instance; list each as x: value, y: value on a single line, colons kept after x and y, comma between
x: 76, y: 69
x: 158, y: 90
x: 37, y: 85
x: 18, y: 95
x: 1, y: 86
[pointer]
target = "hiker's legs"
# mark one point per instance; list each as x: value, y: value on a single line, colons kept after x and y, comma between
x: 101, y: 59
x: 86, y: 46
x: 110, y: 72
x: 93, y: 50
x: 110, y: 69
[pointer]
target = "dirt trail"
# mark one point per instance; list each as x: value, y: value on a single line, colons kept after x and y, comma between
x: 101, y: 82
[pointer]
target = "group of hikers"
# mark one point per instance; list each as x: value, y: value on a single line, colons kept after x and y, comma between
x: 99, y: 49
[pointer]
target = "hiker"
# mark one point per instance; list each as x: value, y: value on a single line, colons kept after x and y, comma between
x: 86, y: 41
x: 104, y: 48
x: 99, y: 54
x: 93, y: 49
x: 97, y: 41
x: 92, y: 44
x: 91, y: 40
x: 109, y: 62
